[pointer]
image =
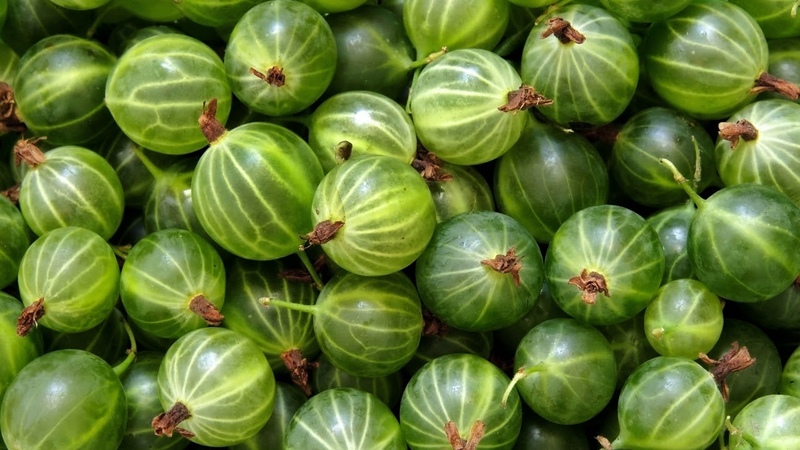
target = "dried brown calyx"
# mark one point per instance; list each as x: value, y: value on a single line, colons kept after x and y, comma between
x: 770, y: 83
x: 563, y: 31
x: 342, y: 151
x: 27, y: 151
x: 9, y: 118
x: 429, y: 166
x: 475, y: 435
x: 606, y: 134
x: 524, y: 98
x: 298, y: 368
x: 735, y: 360
x: 212, y: 128
x: 508, y: 263
x: 733, y: 131
x: 273, y: 77
x: 166, y: 423
x: 203, y: 308
x: 302, y: 275
x: 323, y: 232
x: 592, y: 284
x: 12, y: 194
x: 432, y: 325
x: 29, y: 317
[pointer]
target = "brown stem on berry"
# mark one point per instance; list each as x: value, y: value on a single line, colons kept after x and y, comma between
x: 735, y: 360
x: 323, y: 232
x: 604, y: 442
x: 592, y: 284
x: 203, y: 308
x: 508, y: 263
x: 298, y: 368
x: 429, y: 166
x: 432, y: 325
x: 9, y: 117
x: 166, y: 423
x: 563, y: 31
x: 29, y: 317
x: 273, y: 77
x: 475, y: 435
x: 342, y: 151
x: 769, y: 83
x: 27, y: 151
x: 212, y: 129
x: 524, y: 98
x: 12, y: 194
x: 743, y: 129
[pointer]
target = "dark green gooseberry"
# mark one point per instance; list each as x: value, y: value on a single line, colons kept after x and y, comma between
x: 708, y: 60
x: 70, y: 186
x: 463, y: 106
x: 630, y: 345
x: 378, y: 211
x: 781, y: 312
x: 672, y: 226
x: 439, y: 339
x: 656, y: 133
x: 284, y: 335
x: 387, y: 388
x: 683, y: 319
x: 109, y: 340
x: 14, y: 242
x: 344, y: 418
x: 457, y: 398
x: 776, y: 18
x: 16, y: 352
x: 215, y: 13
x: 547, y: 176
x: 356, y: 123
x: 604, y: 264
x: 637, y: 11
x: 59, y: 89
x: 759, y: 144
x: 288, y: 399
x: 67, y: 399
x: 80, y: 4
x: 125, y: 36
x: 668, y: 403
x: 333, y: 6
x: 374, y: 53
x: 790, y: 378
x: 467, y: 24
x: 481, y: 271
x: 772, y: 421
x: 140, y: 382
x: 173, y: 282
x: 368, y: 326
x: 545, y: 308
x: 752, y: 381
x: 153, y: 11
x: 784, y: 62
x: 566, y: 371
x: 216, y: 387
x: 590, y: 77
x: 9, y: 64
x: 261, y: 177
x: 29, y: 21
x: 158, y: 88
x: 68, y: 281
x: 537, y: 433
x: 459, y: 189
x: 280, y: 57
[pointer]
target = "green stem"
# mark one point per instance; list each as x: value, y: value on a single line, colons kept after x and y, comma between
x: 120, y: 368
x: 521, y: 373
x: 121, y: 251
x: 683, y: 182
x: 426, y: 59
x: 698, y: 170
x: 267, y: 302
x: 310, y: 267
x: 154, y: 170
x: 794, y: 9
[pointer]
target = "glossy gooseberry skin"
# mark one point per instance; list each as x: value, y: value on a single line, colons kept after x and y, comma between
x: 60, y: 87
x: 217, y: 373
x: 76, y: 187
x: 466, y: 191
x: 744, y: 242
x: 344, y: 418
x: 288, y: 399
x: 72, y: 394
x: 669, y: 402
x: 790, y: 378
x: 672, y: 226
x: 16, y: 352
x: 778, y: 19
x: 704, y: 60
x: 772, y: 421
x: 215, y: 13
x: 636, y: 11
x: 158, y: 88
x: 462, y: 388
x: 616, y: 243
x: 14, y: 243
